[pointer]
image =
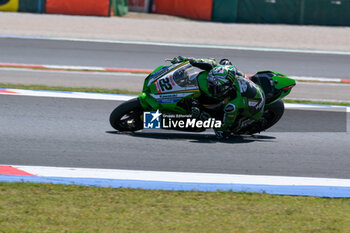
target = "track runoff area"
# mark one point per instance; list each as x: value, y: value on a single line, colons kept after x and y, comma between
x: 280, y: 185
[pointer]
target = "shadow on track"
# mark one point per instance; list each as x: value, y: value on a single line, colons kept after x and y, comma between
x: 196, y: 137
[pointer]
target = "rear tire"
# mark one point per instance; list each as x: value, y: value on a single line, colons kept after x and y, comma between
x: 272, y: 114
x: 127, y: 116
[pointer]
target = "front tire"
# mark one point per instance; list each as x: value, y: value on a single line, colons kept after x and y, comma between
x: 127, y: 116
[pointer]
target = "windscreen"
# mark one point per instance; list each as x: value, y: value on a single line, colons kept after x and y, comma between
x: 186, y: 77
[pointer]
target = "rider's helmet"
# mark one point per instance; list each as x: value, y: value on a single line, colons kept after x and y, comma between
x: 221, y: 80
x: 225, y: 62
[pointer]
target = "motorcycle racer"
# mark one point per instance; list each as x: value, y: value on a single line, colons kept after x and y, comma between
x: 243, y: 100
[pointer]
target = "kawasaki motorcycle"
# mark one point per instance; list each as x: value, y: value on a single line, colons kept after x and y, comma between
x: 172, y: 89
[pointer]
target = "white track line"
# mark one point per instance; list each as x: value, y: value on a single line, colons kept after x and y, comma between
x: 63, y: 94
x: 184, y: 177
x: 163, y: 180
x: 316, y: 79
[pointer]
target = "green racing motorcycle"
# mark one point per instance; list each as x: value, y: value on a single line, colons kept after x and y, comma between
x: 170, y: 89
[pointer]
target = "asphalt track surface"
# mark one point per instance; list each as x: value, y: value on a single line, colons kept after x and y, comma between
x: 54, y: 52
x: 76, y: 133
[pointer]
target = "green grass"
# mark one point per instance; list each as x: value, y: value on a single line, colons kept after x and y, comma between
x: 26, y: 207
x: 119, y: 91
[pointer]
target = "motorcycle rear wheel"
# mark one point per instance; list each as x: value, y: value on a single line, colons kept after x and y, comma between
x: 127, y: 116
x: 272, y: 114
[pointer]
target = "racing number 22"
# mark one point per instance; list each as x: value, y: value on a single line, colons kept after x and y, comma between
x: 165, y: 84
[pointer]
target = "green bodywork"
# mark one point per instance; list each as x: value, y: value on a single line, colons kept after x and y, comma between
x: 282, y: 83
x: 150, y: 89
x: 150, y: 103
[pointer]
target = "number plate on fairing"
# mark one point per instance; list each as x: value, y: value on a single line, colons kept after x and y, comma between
x: 181, y: 79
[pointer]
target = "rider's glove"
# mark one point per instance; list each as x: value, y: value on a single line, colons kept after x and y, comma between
x: 178, y: 59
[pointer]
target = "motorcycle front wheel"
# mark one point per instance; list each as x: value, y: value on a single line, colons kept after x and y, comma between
x: 127, y: 116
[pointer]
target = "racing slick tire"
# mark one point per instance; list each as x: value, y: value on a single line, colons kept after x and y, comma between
x: 272, y: 114
x: 127, y: 116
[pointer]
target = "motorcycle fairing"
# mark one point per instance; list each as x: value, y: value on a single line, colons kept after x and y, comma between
x: 180, y: 79
x: 167, y: 86
x: 170, y: 98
